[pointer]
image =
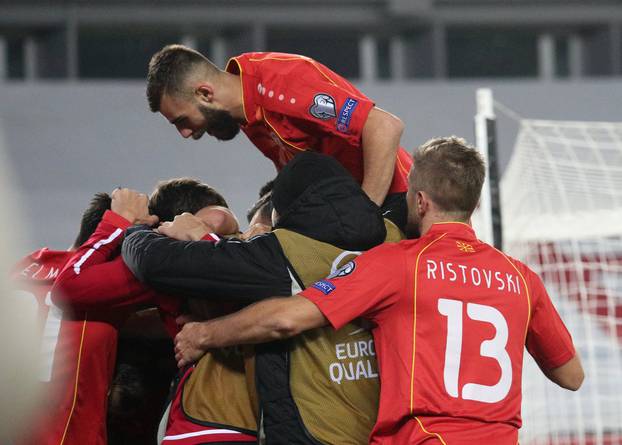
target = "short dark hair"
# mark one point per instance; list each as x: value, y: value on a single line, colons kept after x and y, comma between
x: 92, y: 216
x: 179, y: 195
x: 451, y: 172
x: 263, y: 204
x: 169, y: 68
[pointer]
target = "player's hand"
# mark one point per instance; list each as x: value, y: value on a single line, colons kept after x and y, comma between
x: 185, y: 227
x: 188, y: 343
x: 220, y: 219
x: 256, y: 229
x: 184, y: 319
x: 132, y: 206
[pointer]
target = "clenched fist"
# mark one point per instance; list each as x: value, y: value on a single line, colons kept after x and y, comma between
x: 185, y: 227
x: 132, y: 206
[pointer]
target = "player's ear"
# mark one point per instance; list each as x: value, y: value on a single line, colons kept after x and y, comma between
x: 422, y: 203
x: 204, y: 93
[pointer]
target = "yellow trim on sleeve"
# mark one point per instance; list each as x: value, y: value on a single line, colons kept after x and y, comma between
x: 233, y: 59
x: 401, y: 166
x: 296, y: 57
x: 75, y: 388
x: 412, y: 371
x: 280, y: 59
x: 438, y: 436
x: 454, y: 222
x: 322, y: 73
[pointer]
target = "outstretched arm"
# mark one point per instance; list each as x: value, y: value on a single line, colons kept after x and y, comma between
x: 272, y: 319
x: 227, y: 269
x: 362, y: 291
x: 380, y: 141
x: 95, y: 277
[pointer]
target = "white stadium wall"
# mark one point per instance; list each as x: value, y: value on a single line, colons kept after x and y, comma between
x: 67, y: 141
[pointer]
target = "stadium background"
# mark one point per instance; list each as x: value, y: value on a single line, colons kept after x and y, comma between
x: 74, y: 118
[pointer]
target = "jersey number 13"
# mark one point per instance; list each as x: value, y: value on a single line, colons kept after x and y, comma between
x: 493, y: 348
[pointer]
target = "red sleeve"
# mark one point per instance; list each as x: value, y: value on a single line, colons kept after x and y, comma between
x: 314, y: 98
x: 96, y: 276
x: 211, y: 237
x: 548, y: 340
x: 365, y: 287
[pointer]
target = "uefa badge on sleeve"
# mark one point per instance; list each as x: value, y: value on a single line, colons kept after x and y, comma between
x: 323, y: 107
x: 344, y: 270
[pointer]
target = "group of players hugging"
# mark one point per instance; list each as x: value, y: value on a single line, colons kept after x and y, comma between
x: 159, y: 324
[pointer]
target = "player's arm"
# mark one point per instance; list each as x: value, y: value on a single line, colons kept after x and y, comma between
x: 550, y: 343
x: 327, y: 107
x: 92, y: 278
x: 570, y: 375
x: 379, y: 141
x: 107, y: 284
x: 268, y: 320
x: 365, y: 288
x: 227, y: 269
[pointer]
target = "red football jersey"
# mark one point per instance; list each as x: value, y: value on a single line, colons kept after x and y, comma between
x: 452, y: 317
x: 95, y: 278
x: 73, y: 410
x: 293, y: 103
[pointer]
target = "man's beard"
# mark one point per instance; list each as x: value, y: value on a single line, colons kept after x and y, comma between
x: 220, y: 124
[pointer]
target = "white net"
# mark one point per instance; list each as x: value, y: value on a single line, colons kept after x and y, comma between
x: 561, y: 199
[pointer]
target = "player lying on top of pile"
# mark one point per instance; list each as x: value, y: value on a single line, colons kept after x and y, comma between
x: 285, y: 104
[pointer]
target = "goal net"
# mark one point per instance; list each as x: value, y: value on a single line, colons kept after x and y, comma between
x: 561, y: 203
